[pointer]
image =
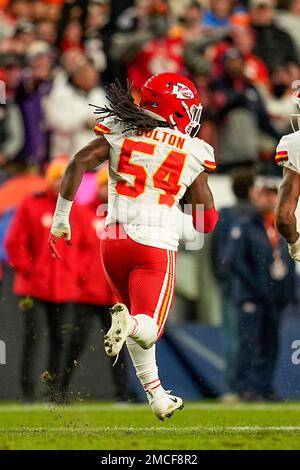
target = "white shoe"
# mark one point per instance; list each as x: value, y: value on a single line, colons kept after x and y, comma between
x: 119, y: 330
x: 164, y: 404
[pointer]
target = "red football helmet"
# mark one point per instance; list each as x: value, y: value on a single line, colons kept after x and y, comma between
x: 174, y: 98
x: 295, y: 118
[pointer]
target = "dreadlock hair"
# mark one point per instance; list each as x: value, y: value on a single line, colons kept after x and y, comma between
x: 122, y: 108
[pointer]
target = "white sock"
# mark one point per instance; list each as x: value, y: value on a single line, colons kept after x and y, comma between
x: 144, y: 361
x: 143, y: 330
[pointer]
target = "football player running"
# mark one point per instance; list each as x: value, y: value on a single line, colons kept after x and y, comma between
x: 155, y: 159
x: 288, y: 156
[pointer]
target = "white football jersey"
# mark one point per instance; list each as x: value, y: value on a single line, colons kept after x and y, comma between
x: 288, y: 151
x: 149, y: 173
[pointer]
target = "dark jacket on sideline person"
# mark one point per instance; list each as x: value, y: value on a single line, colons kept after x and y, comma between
x: 228, y: 217
x: 257, y: 278
x: 274, y: 46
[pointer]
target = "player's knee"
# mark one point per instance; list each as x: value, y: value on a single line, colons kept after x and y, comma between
x: 149, y: 329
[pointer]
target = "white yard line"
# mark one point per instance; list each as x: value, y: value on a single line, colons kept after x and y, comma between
x: 158, y: 430
x: 15, y: 408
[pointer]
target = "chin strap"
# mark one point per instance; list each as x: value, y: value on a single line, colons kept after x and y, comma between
x: 173, y: 122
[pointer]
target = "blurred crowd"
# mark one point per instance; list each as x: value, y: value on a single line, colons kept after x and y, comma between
x: 55, y: 59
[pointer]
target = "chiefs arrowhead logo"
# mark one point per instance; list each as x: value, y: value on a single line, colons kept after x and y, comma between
x: 182, y: 92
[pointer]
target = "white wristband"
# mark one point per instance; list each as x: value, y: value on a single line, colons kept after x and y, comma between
x: 63, y: 206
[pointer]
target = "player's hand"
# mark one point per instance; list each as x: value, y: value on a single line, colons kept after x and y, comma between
x: 61, y: 228
x: 294, y: 249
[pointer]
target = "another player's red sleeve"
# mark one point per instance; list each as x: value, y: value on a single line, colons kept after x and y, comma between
x: 17, y: 241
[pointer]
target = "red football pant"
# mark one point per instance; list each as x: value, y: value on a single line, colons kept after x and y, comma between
x: 142, y: 277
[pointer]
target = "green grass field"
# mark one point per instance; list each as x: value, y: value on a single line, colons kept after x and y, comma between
x: 107, y: 426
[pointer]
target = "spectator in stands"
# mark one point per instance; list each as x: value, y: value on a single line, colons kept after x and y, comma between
x: 190, y: 27
x: 218, y: 14
x: 11, y: 124
x: 71, y: 23
x: 6, y: 24
x: 20, y: 8
x: 242, y: 38
x: 72, y: 37
x: 273, y: 45
x: 69, y: 62
x: 50, y: 285
x: 25, y: 35
x: 93, y: 41
x: 289, y: 21
x: 38, y: 10
x: 68, y: 114
x: 46, y: 31
x: 263, y: 285
x: 239, y: 111
x: 54, y: 10
x: 94, y: 296
x: 149, y: 49
x: 35, y: 86
x: 242, y: 184
x: 278, y: 99
x: 201, y: 42
x: 21, y: 38
x: 254, y: 68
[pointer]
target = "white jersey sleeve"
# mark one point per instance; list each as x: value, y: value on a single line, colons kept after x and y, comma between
x: 203, y: 154
x: 110, y: 128
x: 288, y: 152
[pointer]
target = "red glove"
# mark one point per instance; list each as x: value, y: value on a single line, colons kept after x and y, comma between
x: 52, y: 246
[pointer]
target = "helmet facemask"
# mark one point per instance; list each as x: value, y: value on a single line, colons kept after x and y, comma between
x: 192, y: 117
x: 194, y: 113
x: 295, y: 122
